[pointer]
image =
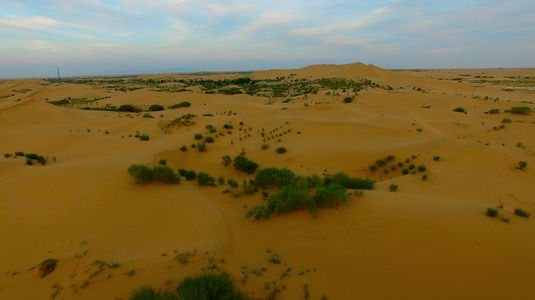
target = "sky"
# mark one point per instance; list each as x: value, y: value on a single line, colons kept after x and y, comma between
x: 98, y: 37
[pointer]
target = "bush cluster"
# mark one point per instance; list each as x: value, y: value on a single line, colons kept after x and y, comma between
x: 243, y: 164
x: 144, y: 174
x: 156, y: 107
x: 181, y: 104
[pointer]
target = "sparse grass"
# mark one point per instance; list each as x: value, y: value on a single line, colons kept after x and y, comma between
x: 47, y: 266
x: 275, y: 259
x: 393, y: 187
x: 522, y: 213
x: 492, y: 212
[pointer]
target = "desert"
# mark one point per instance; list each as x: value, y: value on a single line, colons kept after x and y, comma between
x: 444, y: 161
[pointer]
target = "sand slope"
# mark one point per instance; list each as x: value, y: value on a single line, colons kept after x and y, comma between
x: 430, y: 239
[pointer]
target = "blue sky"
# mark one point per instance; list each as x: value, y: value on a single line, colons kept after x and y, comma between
x: 92, y: 37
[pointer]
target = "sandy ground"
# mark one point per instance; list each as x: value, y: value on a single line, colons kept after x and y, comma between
x: 428, y: 240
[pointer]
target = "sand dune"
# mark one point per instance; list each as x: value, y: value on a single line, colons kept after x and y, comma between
x: 429, y: 239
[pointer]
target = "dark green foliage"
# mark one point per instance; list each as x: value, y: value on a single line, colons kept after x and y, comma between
x: 231, y: 91
x: 269, y: 177
x: 275, y: 259
x: 265, y: 146
x: 436, y: 158
x: 41, y: 160
x: 348, y: 99
x: 412, y: 166
x: 507, y: 120
x: 226, y: 160
x: 162, y: 162
x: 522, y: 213
x: 459, y: 109
x: 183, y: 148
x: 522, y: 165
x: 209, y: 287
x: 520, y: 110
x: 372, y: 167
x: 147, y: 115
x: 29, y: 162
x: 405, y: 171
x: 243, y: 164
x: 128, y: 108
x: 19, y: 153
x: 156, y: 107
x: 422, y: 168
x: 31, y: 155
x: 249, y: 189
x: 165, y: 174
x: 390, y: 158
x: 259, y: 212
x: 280, y: 150
x: 233, y: 183
x: 330, y: 195
x: 221, y: 180
x: 198, y: 136
x: 380, y: 162
x: 144, y: 137
x: 7, y: 155
x: 494, y: 111
x: 181, y: 172
x: 181, y: 104
x: 190, y: 175
x: 492, y: 212
x: 205, y: 179
x: 393, y: 187
x: 228, y: 126
x: 201, y: 147
x: 209, y: 139
x: 149, y: 293
x: 353, y: 182
x: 287, y: 199
x: 47, y: 266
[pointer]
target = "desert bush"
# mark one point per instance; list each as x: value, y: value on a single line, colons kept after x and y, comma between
x: 156, y: 107
x: 181, y: 104
x: 412, y: 166
x: 349, y: 99
x: 144, y: 137
x: 352, y: 182
x: 165, y: 174
x: 494, y: 111
x: 506, y: 120
x: 393, y: 187
x: 221, y: 180
x: 141, y: 173
x: 208, y: 286
x: 259, y: 212
x: 280, y: 150
x: 209, y: 139
x: 522, y: 165
x: 226, y: 160
x: 405, y: 171
x: 459, y: 109
x: 330, y: 195
x: 522, y: 213
x: 198, y: 136
x: 7, y: 155
x: 265, y: 146
x: 31, y: 155
x: 233, y: 183
x: 29, y: 162
x: 269, y: 177
x: 183, y: 148
x: 243, y: 164
x: 147, y: 115
x: 436, y: 158
x: 424, y: 177
x: 201, y: 147
x: 19, y: 153
x: 190, y: 175
x: 149, y: 293
x: 162, y: 161
x: 287, y: 199
x: 181, y: 172
x: 128, y: 108
x: 421, y: 168
x: 205, y: 179
x: 249, y: 189
x: 380, y: 162
x: 47, y: 266
x: 492, y: 212
x: 41, y: 160
x: 372, y: 167
x: 520, y: 110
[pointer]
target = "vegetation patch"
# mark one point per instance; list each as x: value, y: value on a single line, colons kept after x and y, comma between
x: 47, y: 266
x: 522, y: 213
x: 144, y: 174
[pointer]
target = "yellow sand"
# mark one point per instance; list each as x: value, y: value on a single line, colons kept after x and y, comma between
x: 429, y: 240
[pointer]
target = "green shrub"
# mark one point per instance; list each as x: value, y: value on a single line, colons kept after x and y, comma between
x: 128, y: 108
x: 233, y: 183
x: 183, y: 148
x: 201, y: 147
x: 520, y: 110
x: 522, y: 165
x: 422, y: 168
x: 209, y: 286
x: 522, y: 213
x: 269, y: 177
x: 287, y: 199
x: 393, y: 187
x: 507, y: 120
x: 424, y: 177
x: 494, y: 111
x: 280, y: 150
x: 459, y: 109
x: 147, y: 115
x: 7, y: 155
x: 181, y: 104
x: 165, y: 174
x: 149, y: 293
x: 380, y: 162
x: 29, y: 162
x: 228, y: 126
x: 226, y: 160
x: 492, y: 212
x: 243, y: 164
x: 205, y: 179
x: 330, y: 195
x: 209, y: 139
x: 221, y: 180
x: 182, y: 172
x: 348, y: 99
x: 436, y: 158
x: 41, y: 160
x: 198, y: 136
x: 141, y: 173
x: 19, y: 153
x: 412, y: 166
x: 353, y: 182
x: 47, y: 266
x: 265, y: 146
x: 372, y: 167
x: 31, y: 155
x: 259, y: 212
x: 144, y: 137
x: 156, y: 107
x: 249, y: 189
x: 405, y: 171
x: 162, y: 162
x: 190, y: 175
